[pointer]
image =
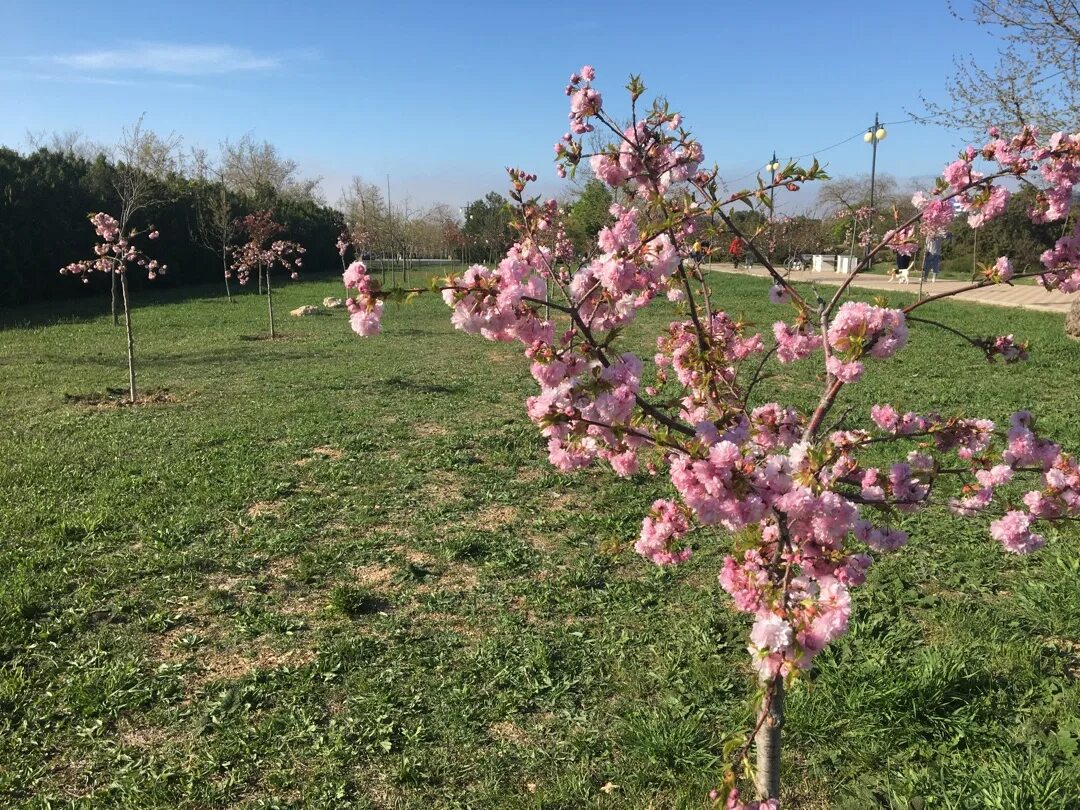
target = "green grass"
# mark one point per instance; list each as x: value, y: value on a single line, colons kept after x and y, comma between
x: 333, y: 572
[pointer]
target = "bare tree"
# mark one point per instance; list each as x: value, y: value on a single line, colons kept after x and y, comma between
x: 366, y: 216
x: 143, y: 161
x: 69, y: 142
x: 215, y: 226
x: 1036, y: 80
x: 256, y: 170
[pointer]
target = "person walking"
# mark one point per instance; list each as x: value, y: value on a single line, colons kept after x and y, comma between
x: 932, y: 260
x: 736, y: 251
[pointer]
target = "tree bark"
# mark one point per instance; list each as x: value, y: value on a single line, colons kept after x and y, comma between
x: 767, y: 741
x: 130, y: 338
x: 270, y: 305
x: 115, y: 316
x: 1072, y: 320
x: 225, y: 273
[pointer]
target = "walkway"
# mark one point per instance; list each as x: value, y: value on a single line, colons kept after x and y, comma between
x: 1023, y: 296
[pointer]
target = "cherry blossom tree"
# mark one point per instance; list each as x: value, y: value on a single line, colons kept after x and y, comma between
x: 801, y: 507
x: 116, y: 254
x: 262, y: 253
x: 143, y: 161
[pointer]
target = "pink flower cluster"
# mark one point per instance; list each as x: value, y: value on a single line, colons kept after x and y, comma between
x: 260, y: 254
x: 648, y: 160
x: 115, y: 253
x: 1062, y: 263
x: 795, y: 342
x: 585, y: 102
x: 365, y: 308
x: 584, y: 410
x: 503, y: 303
x: 660, y: 532
x: 860, y: 329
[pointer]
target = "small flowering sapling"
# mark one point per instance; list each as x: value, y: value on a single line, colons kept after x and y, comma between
x: 343, y: 244
x: 802, y: 509
x: 116, y: 254
x: 262, y: 253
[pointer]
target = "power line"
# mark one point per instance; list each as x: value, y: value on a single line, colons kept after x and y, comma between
x: 911, y: 119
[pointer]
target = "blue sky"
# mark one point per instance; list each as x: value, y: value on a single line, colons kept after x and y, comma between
x: 442, y: 96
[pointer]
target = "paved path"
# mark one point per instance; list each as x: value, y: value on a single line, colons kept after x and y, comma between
x: 1023, y: 296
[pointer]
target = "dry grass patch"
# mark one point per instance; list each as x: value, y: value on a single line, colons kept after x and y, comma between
x: 144, y: 737
x: 120, y: 398
x: 374, y: 576
x: 430, y: 430
x: 467, y: 627
x: 454, y: 578
x: 442, y: 487
x: 508, y: 732
x: 263, y: 508
x: 493, y: 516
x: 209, y: 663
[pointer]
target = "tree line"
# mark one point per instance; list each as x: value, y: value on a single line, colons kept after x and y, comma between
x: 46, y: 195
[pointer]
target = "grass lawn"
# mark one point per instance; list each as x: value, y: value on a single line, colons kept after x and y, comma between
x: 333, y: 572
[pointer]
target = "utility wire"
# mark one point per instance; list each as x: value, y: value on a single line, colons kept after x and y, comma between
x: 911, y: 119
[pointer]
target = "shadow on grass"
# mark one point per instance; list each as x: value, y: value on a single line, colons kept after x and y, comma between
x: 398, y: 383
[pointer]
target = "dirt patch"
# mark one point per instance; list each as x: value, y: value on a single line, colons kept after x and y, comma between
x: 223, y: 581
x: 527, y: 475
x: 278, y: 337
x: 421, y: 558
x: 541, y: 541
x: 118, y: 398
x: 281, y: 568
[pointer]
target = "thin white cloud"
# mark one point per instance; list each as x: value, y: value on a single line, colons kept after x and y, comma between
x: 173, y: 60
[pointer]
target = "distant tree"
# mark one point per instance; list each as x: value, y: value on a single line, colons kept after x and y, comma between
x: 1036, y: 80
x: 487, y: 226
x: 1013, y: 234
x: 215, y: 226
x: 143, y: 162
x: 259, y: 172
x: 590, y: 212
x: 70, y: 142
x: 366, y: 218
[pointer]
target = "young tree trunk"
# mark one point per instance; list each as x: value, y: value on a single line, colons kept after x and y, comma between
x: 767, y: 741
x: 1072, y: 321
x: 270, y: 304
x: 260, y: 280
x: 225, y: 273
x: 115, y: 316
x: 130, y: 337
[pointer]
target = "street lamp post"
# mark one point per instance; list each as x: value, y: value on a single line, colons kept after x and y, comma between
x: 873, y: 136
x: 772, y: 166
